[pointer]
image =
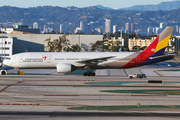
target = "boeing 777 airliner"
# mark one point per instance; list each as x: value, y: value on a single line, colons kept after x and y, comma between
x: 66, y: 62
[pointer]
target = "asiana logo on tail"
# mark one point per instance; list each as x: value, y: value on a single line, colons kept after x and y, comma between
x: 152, y: 50
x: 45, y: 57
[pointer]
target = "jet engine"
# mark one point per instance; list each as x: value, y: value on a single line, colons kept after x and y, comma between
x: 65, y: 68
x: 3, y: 72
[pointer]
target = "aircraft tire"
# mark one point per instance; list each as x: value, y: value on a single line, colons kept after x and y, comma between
x: 85, y: 74
x: 93, y: 74
x: 90, y: 74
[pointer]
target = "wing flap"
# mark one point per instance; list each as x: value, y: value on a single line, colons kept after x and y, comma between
x: 95, y: 61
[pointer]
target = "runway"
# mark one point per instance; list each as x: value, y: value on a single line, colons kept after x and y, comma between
x: 101, y: 97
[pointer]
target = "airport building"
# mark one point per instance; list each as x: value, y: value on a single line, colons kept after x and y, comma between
x: 20, y: 29
x: 22, y: 39
x: 139, y: 42
x: 37, y: 43
x: 6, y: 46
x: 115, y: 42
x: 173, y: 45
x: 176, y: 43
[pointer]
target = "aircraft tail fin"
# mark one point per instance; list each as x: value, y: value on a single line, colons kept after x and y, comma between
x: 155, y: 52
x: 158, y: 46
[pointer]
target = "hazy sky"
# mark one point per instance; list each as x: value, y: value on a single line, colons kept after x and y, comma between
x: 115, y: 4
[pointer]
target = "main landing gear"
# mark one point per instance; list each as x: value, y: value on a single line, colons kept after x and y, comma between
x: 89, y: 72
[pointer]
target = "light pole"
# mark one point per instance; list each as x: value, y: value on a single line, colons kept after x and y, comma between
x: 2, y: 47
x: 4, y: 43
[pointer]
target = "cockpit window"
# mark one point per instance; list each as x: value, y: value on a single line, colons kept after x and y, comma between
x: 8, y: 58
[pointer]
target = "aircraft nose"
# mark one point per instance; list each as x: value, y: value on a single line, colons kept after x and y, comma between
x: 6, y: 62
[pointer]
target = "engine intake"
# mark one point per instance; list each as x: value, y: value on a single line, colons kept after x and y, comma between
x: 3, y: 72
x: 65, y: 68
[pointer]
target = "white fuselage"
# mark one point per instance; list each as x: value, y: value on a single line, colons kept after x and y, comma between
x: 51, y: 59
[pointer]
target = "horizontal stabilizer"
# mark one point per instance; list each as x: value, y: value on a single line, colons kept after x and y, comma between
x: 162, y: 56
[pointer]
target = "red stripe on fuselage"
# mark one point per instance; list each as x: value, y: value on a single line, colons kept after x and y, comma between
x: 143, y: 55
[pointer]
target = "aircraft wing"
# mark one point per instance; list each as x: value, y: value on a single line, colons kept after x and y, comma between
x: 95, y: 61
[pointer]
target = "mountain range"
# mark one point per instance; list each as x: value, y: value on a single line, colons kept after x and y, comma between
x: 52, y: 17
x: 162, y: 6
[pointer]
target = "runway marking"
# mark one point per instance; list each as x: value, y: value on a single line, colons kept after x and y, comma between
x: 125, y: 72
x: 150, y: 95
x: 111, y: 108
x: 158, y: 73
x: 8, y: 86
x: 61, y: 95
x: 127, y: 82
x: 81, y: 80
x: 146, y: 92
x: 18, y: 104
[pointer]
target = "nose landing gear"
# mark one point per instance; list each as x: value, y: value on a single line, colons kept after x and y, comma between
x: 18, y: 71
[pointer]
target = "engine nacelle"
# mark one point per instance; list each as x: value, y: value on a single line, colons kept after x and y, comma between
x: 3, y: 72
x: 65, y: 68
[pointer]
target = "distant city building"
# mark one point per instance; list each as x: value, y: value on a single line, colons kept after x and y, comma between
x: 48, y: 30
x: 83, y: 27
x: 158, y: 30
x: 149, y: 30
x: 139, y: 31
x: 20, y: 29
x: 127, y: 26
x: 108, y: 26
x: 139, y: 42
x: 127, y: 29
x: 154, y: 30
x: 35, y: 25
x: 18, y: 23
x: 163, y: 25
x: 97, y: 31
x: 78, y: 30
x: 132, y: 27
x: 63, y: 28
x: 90, y: 28
x: 114, y: 29
x: 176, y: 29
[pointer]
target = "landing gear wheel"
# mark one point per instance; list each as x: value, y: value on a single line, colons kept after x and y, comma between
x: 18, y: 73
x: 93, y: 74
x: 89, y: 74
x: 85, y: 74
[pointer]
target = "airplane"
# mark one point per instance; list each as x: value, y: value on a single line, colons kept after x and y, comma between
x: 67, y: 62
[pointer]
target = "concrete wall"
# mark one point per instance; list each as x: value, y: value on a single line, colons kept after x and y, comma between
x: 85, y: 41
